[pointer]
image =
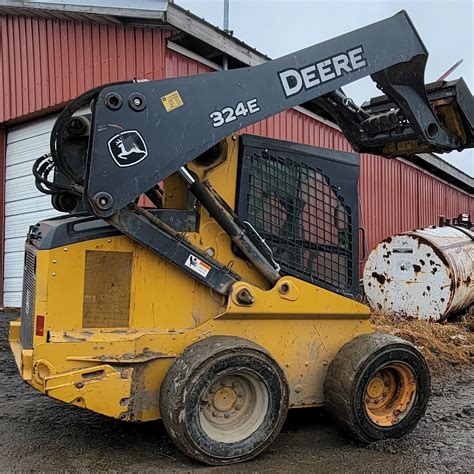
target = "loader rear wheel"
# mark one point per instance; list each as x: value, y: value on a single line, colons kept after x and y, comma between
x: 377, y: 387
x: 224, y: 400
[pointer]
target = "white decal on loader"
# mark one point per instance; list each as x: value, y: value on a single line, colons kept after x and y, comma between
x: 127, y: 148
x: 197, y: 265
x: 307, y: 77
x: 229, y: 114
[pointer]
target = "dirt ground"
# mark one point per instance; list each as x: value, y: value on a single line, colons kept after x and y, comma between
x: 38, y: 433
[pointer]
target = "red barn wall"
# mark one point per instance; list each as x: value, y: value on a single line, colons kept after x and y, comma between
x: 396, y: 197
x: 45, y: 63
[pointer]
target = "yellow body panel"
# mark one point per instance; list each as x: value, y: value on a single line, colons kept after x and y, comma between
x: 117, y: 371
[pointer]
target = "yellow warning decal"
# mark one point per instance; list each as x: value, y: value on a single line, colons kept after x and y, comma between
x: 172, y: 101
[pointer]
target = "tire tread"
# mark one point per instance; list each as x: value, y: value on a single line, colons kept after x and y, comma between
x: 339, y: 382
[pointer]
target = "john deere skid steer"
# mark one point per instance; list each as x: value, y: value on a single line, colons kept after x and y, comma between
x: 234, y: 297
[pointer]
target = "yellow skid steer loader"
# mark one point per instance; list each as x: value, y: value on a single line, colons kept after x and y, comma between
x: 234, y: 297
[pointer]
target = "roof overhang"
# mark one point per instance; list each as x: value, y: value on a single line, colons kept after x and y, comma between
x: 139, y: 12
x: 97, y: 11
x: 443, y: 170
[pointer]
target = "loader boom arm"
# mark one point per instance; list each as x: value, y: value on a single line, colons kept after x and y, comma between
x: 178, y: 119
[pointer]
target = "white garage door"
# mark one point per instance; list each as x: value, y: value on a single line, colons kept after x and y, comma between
x: 24, y: 204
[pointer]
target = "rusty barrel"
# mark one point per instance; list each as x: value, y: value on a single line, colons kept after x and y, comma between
x: 424, y: 274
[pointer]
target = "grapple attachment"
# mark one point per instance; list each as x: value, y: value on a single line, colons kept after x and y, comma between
x: 451, y: 102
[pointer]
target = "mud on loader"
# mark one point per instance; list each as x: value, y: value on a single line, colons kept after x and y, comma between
x: 234, y: 297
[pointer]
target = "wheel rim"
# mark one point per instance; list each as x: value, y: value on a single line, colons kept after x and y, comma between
x: 233, y: 406
x: 389, y: 394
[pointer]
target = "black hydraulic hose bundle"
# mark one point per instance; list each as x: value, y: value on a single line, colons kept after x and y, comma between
x: 55, y: 142
x: 42, y: 168
x: 45, y: 164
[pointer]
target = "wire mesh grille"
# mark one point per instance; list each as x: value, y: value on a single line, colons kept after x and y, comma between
x: 28, y: 300
x: 303, y: 219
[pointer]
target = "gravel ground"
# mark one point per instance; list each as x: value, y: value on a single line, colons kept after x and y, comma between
x: 38, y: 433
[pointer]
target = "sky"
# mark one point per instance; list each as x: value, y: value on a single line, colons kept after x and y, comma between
x: 279, y: 27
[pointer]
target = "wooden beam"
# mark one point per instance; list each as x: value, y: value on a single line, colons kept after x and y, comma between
x: 194, y: 26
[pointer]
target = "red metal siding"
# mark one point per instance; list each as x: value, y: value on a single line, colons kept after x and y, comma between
x: 297, y: 127
x: 396, y: 197
x: 44, y: 63
x: 177, y: 65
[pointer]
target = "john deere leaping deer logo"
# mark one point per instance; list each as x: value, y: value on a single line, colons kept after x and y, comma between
x: 128, y: 148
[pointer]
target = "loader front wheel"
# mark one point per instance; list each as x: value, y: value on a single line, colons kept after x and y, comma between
x: 223, y: 400
x: 377, y: 387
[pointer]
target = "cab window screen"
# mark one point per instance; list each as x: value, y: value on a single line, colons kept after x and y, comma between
x: 302, y: 215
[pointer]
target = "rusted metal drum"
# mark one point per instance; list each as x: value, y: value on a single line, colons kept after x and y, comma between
x: 424, y: 274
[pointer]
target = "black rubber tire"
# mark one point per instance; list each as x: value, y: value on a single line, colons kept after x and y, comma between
x: 193, y: 371
x: 348, y: 376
